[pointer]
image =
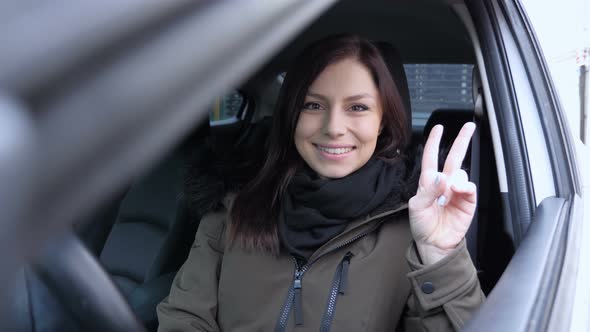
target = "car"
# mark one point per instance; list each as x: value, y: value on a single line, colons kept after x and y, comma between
x: 123, y: 122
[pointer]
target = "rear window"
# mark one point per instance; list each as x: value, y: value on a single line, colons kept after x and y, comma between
x: 434, y: 86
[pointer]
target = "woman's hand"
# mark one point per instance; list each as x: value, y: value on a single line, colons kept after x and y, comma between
x: 442, y: 209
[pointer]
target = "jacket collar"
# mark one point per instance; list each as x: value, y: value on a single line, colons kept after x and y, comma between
x: 357, y: 229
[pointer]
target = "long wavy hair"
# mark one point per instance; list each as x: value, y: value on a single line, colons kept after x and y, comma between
x: 254, y: 212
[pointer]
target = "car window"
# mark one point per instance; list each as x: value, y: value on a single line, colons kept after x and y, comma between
x: 227, y: 109
x: 434, y: 86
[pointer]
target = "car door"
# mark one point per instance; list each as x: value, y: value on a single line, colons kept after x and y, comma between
x: 542, y: 187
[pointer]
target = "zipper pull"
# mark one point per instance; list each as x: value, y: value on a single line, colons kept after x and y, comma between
x: 297, y: 306
x: 344, y: 273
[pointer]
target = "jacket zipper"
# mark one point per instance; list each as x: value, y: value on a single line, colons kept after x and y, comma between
x: 293, y: 299
x: 294, y: 295
x: 338, y: 287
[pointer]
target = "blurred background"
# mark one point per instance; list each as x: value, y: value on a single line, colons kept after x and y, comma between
x: 563, y: 30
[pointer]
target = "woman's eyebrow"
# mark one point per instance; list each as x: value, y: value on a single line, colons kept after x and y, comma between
x: 359, y: 96
x: 350, y: 98
x: 317, y: 95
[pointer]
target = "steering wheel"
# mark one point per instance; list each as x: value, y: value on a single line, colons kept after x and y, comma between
x: 84, y: 288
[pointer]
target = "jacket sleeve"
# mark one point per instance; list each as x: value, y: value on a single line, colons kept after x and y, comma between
x: 443, y: 295
x: 192, y: 302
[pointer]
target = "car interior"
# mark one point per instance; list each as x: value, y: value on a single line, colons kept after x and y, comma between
x: 143, y: 234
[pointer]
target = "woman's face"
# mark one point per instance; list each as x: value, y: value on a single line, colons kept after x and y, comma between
x: 338, y: 127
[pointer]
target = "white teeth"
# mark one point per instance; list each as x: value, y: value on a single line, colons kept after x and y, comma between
x: 334, y: 150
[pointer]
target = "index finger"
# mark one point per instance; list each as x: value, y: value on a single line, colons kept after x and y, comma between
x: 459, y: 148
x: 430, y: 154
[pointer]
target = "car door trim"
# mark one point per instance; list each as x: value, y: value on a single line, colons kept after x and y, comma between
x: 520, y: 189
x: 522, y: 298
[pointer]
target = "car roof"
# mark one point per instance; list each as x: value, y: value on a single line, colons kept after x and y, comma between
x: 424, y: 31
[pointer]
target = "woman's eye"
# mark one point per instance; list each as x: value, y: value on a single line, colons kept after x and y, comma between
x: 359, y: 108
x: 312, y: 106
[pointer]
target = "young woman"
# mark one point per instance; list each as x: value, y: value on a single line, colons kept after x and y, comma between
x: 324, y: 237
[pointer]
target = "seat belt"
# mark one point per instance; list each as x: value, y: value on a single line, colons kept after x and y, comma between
x: 474, y: 171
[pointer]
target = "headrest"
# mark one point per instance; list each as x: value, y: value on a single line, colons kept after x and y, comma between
x: 267, y: 100
x: 394, y: 62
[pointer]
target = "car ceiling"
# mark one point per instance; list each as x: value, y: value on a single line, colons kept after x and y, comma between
x: 424, y: 31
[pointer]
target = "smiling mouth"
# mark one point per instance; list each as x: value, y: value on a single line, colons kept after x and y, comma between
x: 334, y: 150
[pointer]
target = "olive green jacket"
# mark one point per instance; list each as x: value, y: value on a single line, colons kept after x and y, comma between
x: 368, y: 278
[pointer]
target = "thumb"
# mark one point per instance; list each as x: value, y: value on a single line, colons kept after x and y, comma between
x: 436, y: 183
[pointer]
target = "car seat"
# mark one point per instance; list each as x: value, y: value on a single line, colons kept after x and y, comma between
x: 150, y: 238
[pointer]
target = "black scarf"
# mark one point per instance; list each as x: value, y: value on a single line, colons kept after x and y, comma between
x: 314, y: 210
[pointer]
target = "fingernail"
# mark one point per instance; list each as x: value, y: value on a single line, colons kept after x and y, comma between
x: 437, y: 179
x: 441, y: 200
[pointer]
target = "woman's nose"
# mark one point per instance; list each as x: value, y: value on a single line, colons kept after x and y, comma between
x: 334, y: 123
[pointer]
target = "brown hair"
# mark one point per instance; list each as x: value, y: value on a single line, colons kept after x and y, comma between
x: 254, y: 213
